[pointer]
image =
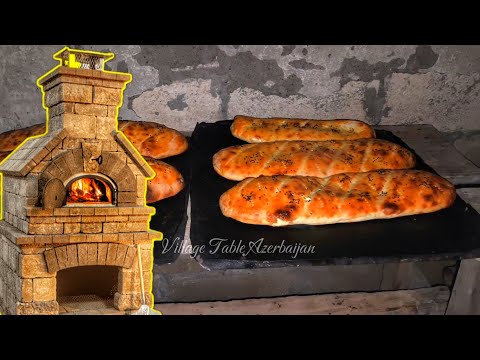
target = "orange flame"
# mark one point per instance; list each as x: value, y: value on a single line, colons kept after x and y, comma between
x: 89, y: 190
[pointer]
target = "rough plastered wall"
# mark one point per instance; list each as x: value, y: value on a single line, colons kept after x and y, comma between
x: 182, y: 85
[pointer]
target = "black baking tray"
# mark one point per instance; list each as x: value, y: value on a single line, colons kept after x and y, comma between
x: 171, y: 214
x: 451, y: 233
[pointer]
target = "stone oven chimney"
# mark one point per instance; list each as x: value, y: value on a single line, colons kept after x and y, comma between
x: 74, y: 198
x: 81, y: 97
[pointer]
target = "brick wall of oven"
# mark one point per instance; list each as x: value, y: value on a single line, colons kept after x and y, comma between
x: 28, y: 277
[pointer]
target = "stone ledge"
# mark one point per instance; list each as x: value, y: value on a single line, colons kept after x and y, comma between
x: 91, y: 211
x: 14, y: 235
x: 38, y: 308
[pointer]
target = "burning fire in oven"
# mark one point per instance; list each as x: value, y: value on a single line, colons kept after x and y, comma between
x: 89, y: 190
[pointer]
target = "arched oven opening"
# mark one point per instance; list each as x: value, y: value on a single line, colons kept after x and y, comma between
x: 91, y: 189
x: 87, y: 289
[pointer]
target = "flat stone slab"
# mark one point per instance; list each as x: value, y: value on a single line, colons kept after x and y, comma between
x: 433, y: 147
x: 427, y: 301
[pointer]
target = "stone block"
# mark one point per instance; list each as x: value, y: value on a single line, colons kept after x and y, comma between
x: 92, y: 257
x: 61, y: 239
x: 43, y: 239
x: 139, y: 218
x: 107, y: 96
x: 91, y: 109
x: 111, y: 254
x: 82, y: 211
x: 121, y: 253
x: 42, y: 229
x: 131, y: 301
x: 71, y: 228
x: 91, y: 228
x: 126, y: 238
x: 117, y: 218
x: 106, y: 211
x: 132, y: 227
x: 66, y: 92
x: 94, y: 238
x: 51, y: 260
x: 125, y: 211
x: 61, y: 212
x: 44, y: 289
x: 110, y: 237
x: 102, y: 254
x: 105, y: 126
x: 33, y: 266
x: 27, y: 290
x: 93, y: 219
x: 61, y: 254
x: 111, y: 227
x: 82, y: 254
x: 112, y: 111
x: 129, y: 281
x: 72, y: 255
x: 60, y: 109
x: 77, y: 238
x: 67, y: 219
x: 37, y: 308
x: 71, y: 143
x: 130, y: 257
x: 81, y: 126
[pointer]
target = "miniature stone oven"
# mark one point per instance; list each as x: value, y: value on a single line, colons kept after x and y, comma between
x: 75, y: 197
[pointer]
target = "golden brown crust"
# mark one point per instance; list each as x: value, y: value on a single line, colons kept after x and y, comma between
x: 3, y: 155
x: 167, y: 182
x: 11, y: 139
x: 310, y: 158
x: 153, y: 140
x: 257, y: 130
x: 350, y: 197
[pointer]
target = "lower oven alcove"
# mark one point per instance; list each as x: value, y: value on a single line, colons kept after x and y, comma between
x: 87, y: 290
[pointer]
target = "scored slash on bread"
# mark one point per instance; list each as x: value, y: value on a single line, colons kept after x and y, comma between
x: 310, y: 158
x: 257, y: 130
x: 348, y: 197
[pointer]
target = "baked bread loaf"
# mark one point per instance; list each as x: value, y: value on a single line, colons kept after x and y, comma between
x: 11, y: 139
x: 168, y: 181
x: 341, y: 198
x: 153, y: 140
x: 3, y: 155
x: 257, y: 130
x: 310, y: 158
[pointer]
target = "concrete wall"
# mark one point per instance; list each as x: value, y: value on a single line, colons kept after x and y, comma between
x: 182, y: 85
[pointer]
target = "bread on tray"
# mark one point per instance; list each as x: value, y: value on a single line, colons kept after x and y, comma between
x: 341, y: 198
x: 257, y: 130
x: 308, y: 158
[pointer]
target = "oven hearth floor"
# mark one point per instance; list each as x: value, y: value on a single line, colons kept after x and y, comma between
x: 87, y: 305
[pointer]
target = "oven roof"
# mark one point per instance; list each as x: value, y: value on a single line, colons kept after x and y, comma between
x: 26, y: 157
x: 33, y: 151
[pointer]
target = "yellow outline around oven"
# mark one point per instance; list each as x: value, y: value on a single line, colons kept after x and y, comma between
x: 110, y: 57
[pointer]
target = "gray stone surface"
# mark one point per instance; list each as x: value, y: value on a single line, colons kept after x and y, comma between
x: 469, y: 145
x: 186, y: 281
x: 185, y: 84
